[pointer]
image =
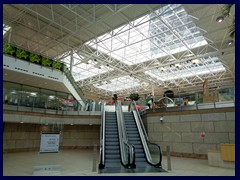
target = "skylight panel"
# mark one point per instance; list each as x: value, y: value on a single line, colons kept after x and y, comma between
x: 118, y: 84
x: 205, y: 66
x: 84, y: 67
x: 166, y: 31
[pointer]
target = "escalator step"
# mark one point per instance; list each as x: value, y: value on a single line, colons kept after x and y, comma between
x: 107, y: 147
x: 112, y: 151
x: 141, y: 155
x: 111, y: 140
x: 112, y: 156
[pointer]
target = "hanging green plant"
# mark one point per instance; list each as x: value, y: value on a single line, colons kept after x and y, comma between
x: 22, y: 54
x: 226, y: 8
x: 134, y: 96
x: 57, y: 65
x: 46, y: 62
x: 35, y: 58
x: 63, y: 67
x: 8, y: 49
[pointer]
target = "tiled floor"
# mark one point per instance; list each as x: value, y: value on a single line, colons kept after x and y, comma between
x: 80, y: 163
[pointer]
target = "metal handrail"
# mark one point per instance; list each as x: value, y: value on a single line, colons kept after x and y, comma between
x: 144, y: 137
x: 102, y: 138
x: 131, y: 148
x: 129, y: 161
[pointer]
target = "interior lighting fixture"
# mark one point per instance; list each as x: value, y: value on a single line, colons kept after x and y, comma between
x: 195, y: 61
x: 220, y: 19
x: 177, y: 65
x: 230, y: 42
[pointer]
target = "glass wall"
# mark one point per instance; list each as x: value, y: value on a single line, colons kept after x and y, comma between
x: 28, y: 96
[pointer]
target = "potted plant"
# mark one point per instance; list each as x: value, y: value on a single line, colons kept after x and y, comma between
x: 114, y: 98
x: 22, y: 54
x: 46, y: 62
x: 57, y: 65
x: 8, y: 49
x: 35, y: 58
x: 134, y: 96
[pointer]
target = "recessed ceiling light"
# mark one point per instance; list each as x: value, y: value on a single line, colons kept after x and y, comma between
x: 220, y: 19
x: 230, y: 42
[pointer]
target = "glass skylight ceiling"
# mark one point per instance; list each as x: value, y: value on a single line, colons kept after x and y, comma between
x: 188, y: 69
x: 84, y: 68
x: 166, y: 31
x: 120, y: 83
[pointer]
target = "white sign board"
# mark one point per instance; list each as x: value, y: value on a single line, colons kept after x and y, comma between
x: 49, y: 142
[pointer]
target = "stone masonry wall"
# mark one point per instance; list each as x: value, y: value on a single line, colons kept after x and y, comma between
x: 19, y: 137
x: 182, y: 131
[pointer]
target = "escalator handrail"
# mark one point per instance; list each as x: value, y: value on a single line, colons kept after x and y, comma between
x: 139, y: 119
x: 131, y: 148
x: 102, y: 137
x: 130, y: 162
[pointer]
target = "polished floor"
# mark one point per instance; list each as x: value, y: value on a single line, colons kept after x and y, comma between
x: 82, y: 163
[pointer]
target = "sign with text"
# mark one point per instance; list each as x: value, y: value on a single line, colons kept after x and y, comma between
x: 49, y: 142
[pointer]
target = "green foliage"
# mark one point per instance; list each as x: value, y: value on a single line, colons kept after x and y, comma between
x: 35, y: 58
x: 226, y: 13
x: 199, y: 100
x: 226, y: 9
x: 134, y: 96
x: 8, y: 49
x: 57, y: 65
x: 115, y: 97
x: 20, y: 53
x: 168, y: 93
x: 46, y: 62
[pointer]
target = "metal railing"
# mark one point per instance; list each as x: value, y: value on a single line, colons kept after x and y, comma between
x: 127, y: 150
x: 145, y: 140
x: 102, y: 138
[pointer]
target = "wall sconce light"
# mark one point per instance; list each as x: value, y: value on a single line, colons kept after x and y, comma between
x: 220, y: 19
x: 161, y: 118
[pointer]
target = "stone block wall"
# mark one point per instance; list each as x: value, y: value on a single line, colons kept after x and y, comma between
x: 182, y: 131
x: 19, y: 137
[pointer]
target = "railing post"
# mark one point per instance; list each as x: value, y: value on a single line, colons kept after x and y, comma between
x: 94, y: 157
x: 168, y: 158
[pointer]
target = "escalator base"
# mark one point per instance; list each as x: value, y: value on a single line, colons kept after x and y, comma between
x: 147, y: 169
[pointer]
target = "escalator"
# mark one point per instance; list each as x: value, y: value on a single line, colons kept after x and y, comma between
x: 112, y: 148
x: 116, y: 154
x: 124, y: 145
x: 137, y: 136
